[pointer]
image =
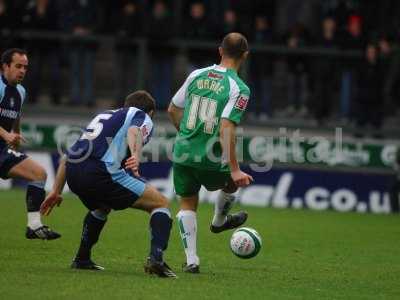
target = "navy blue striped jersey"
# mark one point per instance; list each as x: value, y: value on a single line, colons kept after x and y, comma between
x: 105, y: 138
x: 11, y: 100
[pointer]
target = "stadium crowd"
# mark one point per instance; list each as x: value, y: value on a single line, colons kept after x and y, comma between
x: 363, y: 88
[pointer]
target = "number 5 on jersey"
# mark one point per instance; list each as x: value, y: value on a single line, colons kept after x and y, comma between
x: 96, y: 126
x: 205, y: 109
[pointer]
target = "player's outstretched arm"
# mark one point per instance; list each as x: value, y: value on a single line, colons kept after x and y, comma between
x: 175, y: 114
x: 55, y: 198
x: 135, y: 143
x: 228, y: 143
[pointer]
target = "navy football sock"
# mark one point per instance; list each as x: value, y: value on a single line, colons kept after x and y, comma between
x: 92, y: 227
x: 160, y: 226
x: 35, y: 195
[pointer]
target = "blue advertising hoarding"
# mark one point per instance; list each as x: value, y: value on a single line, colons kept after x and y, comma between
x: 296, y: 188
x: 321, y: 189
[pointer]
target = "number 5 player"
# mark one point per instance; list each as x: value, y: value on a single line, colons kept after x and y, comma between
x: 96, y: 172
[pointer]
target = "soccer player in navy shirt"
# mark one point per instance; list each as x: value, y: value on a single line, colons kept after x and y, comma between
x: 102, y: 169
x: 14, y: 164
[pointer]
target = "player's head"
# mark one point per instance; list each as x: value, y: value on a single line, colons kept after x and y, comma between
x: 234, y: 46
x: 14, y: 64
x: 142, y: 100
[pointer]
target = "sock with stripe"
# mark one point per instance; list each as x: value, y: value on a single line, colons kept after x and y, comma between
x: 187, y: 224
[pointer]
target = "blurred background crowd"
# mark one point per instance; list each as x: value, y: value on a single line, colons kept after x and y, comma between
x: 325, y: 60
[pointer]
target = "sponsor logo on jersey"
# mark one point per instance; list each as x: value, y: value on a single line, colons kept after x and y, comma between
x: 12, y: 102
x: 241, y: 102
x: 215, y: 75
x: 8, y: 113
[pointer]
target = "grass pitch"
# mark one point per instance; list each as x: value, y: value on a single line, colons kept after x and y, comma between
x: 305, y: 255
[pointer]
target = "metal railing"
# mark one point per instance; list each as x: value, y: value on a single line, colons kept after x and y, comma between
x: 182, y: 46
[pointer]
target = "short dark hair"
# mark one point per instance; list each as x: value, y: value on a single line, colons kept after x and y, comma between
x: 6, y: 57
x: 142, y: 100
x: 234, y: 45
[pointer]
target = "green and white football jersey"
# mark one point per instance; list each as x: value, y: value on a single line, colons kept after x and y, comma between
x: 206, y: 96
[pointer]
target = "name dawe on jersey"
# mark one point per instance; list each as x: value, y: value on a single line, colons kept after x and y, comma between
x: 211, y: 85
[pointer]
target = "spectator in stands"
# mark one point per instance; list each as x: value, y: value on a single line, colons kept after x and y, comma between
x: 370, y: 91
x: 392, y: 84
x: 353, y: 39
x: 8, y: 22
x: 325, y: 72
x: 297, y: 73
x: 81, y: 17
x: 198, y: 28
x: 390, y: 63
x: 341, y: 10
x: 162, y: 55
x: 42, y: 15
x: 261, y: 69
x: 246, y: 12
x: 127, y: 24
x: 230, y: 23
x: 216, y: 9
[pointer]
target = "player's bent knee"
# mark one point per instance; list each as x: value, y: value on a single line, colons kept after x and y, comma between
x: 40, y: 174
x: 158, y: 201
x: 163, y: 202
x: 150, y: 200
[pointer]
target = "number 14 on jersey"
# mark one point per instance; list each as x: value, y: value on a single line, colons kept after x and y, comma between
x: 204, y: 109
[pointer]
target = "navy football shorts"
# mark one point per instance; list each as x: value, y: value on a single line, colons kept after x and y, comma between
x: 8, y: 159
x: 97, y: 188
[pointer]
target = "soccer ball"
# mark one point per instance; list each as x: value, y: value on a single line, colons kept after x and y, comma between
x: 245, y: 242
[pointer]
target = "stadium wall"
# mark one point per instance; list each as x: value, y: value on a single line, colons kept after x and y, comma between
x: 280, y: 187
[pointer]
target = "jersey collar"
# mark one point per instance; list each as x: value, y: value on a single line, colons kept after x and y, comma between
x: 223, y: 69
x: 219, y: 68
x: 4, y: 79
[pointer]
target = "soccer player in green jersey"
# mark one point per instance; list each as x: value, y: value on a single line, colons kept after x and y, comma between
x: 205, y: 111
